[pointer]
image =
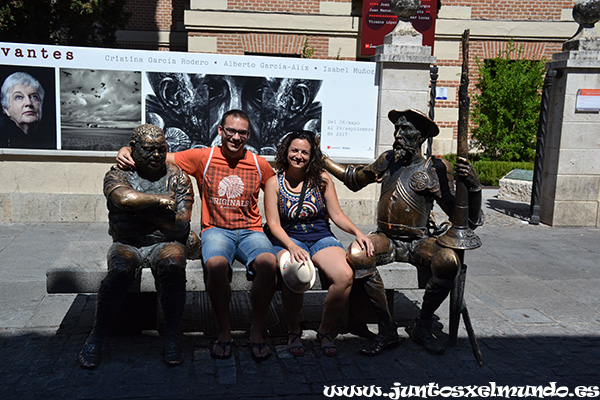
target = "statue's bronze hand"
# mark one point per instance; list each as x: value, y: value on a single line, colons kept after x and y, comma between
x: 318, y: 141
x: 464, y: 170
x: 168, y: 202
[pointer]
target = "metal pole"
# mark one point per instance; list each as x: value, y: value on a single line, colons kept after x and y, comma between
x: 460, y: 236
x: 534, y: 205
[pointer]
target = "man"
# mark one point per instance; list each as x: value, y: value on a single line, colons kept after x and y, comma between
x: 229, y: 179
x: 410, y: 184
x: 149, y: 211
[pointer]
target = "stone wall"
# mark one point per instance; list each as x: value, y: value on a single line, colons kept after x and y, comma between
x: 570, y: 193
x: 61, y: 188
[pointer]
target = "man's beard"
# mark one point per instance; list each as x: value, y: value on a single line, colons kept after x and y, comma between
x: 403, y: 153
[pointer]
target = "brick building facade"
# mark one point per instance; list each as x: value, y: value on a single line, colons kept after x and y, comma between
x: 330, y: 29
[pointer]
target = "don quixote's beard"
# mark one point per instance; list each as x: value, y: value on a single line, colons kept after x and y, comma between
x: 404, y: 153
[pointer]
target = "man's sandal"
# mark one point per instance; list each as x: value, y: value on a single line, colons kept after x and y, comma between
x: 224, y: 346
x: 259, y: 346
x: 295, y: 349
x: 329, y: 348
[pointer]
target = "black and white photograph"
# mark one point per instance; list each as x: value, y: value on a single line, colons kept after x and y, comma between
x: 98, y: 108
x: 28, y: 119
x: 93, y: 98
x: 189, y: 106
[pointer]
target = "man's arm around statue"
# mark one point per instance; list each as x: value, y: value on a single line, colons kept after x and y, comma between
x: 229, y: 177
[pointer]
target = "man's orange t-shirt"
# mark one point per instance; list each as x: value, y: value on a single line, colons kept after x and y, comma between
x: 229, y: 191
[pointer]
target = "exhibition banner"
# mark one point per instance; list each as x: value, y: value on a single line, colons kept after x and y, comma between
x: 379, y: 20
x: 84, y: 98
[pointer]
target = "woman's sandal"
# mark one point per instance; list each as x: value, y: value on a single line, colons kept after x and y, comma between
x: 295, y: 349
x: 224, y: 346
x: 329, y: 348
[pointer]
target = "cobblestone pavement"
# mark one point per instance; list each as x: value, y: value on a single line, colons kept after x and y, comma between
x: 533, y: 294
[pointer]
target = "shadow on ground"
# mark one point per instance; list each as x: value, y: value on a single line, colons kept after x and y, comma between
x: 510, y: 208
x: 39, y: 365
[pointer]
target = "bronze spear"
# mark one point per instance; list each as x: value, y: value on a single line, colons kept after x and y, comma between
x: 460, y: 236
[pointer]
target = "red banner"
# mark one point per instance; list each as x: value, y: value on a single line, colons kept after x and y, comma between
x: 378, y: 20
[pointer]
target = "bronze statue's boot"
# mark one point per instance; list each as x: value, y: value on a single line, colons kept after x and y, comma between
x: 172, y: 300
x: 384, y: 340
x: 110, y: 297
x: 388, y: 329
x: 421, y: 334
x: 435, y: 294
x: 173, y: 353
x: 89, y: 357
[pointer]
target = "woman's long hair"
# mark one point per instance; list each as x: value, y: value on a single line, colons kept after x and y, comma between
x: 315, y: 163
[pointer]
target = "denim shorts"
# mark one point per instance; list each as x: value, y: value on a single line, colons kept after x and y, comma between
x: 312, y: 247
x: 240, y: 244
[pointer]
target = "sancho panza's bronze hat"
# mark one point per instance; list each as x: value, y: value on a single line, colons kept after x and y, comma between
x: 426, y: 126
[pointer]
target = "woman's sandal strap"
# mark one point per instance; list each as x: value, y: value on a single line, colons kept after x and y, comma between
x: 329, y: 348
x: 294, y: 336
x: 295, y: 349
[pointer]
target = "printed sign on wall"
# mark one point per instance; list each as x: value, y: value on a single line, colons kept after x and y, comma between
x: 588, y: 100
x: 378, y: 20
x: 75, y: 98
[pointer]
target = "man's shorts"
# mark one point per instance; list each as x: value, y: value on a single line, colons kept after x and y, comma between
x: 240, y: 244
x: 312, y: 247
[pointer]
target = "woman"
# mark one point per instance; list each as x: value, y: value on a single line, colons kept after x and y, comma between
x: 22, y: 98
x: 299, y: 159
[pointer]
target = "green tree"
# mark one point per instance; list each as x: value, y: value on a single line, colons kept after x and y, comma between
x: 75, y: 23
x: 505, y: 111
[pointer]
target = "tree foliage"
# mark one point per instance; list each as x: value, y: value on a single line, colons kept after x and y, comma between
x: 505, y: 112
x: 75, y: 23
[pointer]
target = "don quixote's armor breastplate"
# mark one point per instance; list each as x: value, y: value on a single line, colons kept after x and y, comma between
x: 406, y: 200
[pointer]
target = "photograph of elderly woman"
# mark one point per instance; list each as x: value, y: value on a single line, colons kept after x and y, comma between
x: 28, y: 119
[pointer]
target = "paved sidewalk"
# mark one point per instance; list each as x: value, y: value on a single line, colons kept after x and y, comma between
x: 533, y: 294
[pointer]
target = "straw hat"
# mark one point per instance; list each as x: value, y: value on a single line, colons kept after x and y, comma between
x: 298, y: 276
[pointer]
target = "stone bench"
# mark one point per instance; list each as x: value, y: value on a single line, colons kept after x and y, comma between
x: 82, y: 266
